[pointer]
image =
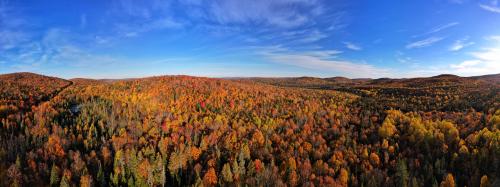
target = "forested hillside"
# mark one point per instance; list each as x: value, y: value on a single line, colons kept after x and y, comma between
x: 183, y: 131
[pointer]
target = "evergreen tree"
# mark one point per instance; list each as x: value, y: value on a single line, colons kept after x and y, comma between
x: 131, y: 181
x: 100, y: 176
x: 402, y: 174
x: 54, y: 175
x: 114, y: 179
x: 64, y: 182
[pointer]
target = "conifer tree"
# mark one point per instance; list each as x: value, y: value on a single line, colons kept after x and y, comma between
x: 402, y: 174
x: 54, y: 175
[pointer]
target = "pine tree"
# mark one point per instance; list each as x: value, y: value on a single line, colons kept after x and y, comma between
x: 114, y: 179
x: 434, y: 182
x: 18, y: 163
x: 54, y: 175
x: 64, y: 182
x: 131, y: 181
x: 402, y: 174
x: 414, y: 182
x: 100, y: 176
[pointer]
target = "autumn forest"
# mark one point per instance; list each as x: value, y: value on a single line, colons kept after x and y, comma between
x: 304, y: 131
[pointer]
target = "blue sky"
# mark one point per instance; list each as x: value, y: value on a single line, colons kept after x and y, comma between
x: 229, y: 38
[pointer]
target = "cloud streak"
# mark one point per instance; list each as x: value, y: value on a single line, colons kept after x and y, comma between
x: 133, y: 18
x: 352, y: 46
x: 460, y: 44
x: 424, y: 43
x: 279, y: 13
x: 324, y: 60
x: 481, y: 62
x: 55, y: 51
x: 443, y: 27
x: 492, y: 8
x: 438, y: 29
x: 12, y: 32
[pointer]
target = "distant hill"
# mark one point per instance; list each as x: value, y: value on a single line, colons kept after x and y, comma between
x: 25, y: 81
x: 26, y: 86
x: 333, y: 82
x: 446, y: 76
x: 440, y: 80
x: 490, y: 78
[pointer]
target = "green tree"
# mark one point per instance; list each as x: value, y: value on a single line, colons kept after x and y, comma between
x: 64, y: 182
x: 100, y: 176
x: 54, y: 175
x: 131, y: 181
x: 402, y: 175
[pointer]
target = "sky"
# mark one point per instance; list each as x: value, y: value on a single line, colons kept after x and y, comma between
x: 250, y: 38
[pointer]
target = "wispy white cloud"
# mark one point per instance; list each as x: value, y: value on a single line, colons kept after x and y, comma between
x: 442, y: 27
x: 481, y: 62
x: 406, y: 60
x: 10, y: 39
x: 323, y: 53
x: 314, y: 36
x: 136, y: 29
x: 139, y: 9
x: 424, y: 43
x: 276, y: 13
x: 338, y: 21
x: 478, y: 66
x: 56, y: 50
x: 492, y: 6
x: 352, y: 46
x: 460, y: 44
x: 494, y: 38
x: 488, y: 55
x: 133, y: 18
x: 297, y: 36
x: 280, y: 13
x: 466, y: 64
x: 437, y: 29
x: 12, y: 33
x: 324, y: 60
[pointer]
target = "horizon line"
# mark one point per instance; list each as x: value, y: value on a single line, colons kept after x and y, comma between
x: 242, y: 77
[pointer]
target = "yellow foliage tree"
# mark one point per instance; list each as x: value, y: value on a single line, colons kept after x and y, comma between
x: 343, y: 177
x: 448, y: 181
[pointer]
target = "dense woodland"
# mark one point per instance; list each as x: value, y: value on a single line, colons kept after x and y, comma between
x: 189, y: 131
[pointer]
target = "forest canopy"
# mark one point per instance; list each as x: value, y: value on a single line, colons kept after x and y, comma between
x: 181, y: 130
